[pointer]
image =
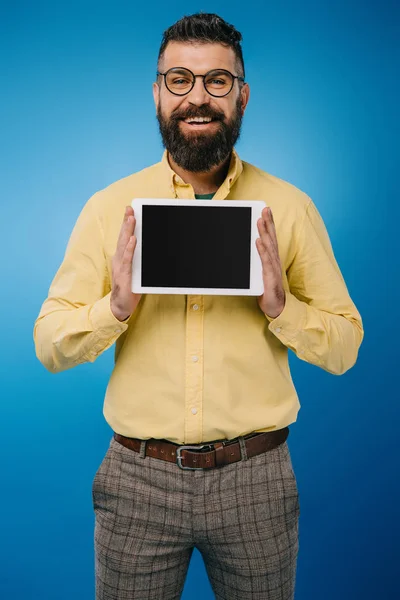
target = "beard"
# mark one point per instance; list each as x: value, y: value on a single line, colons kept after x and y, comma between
x: 200, y: 151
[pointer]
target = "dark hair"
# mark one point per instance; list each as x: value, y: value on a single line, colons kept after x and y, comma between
x: 204, y: 28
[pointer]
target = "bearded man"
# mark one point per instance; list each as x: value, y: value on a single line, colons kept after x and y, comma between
x: 200, y: 398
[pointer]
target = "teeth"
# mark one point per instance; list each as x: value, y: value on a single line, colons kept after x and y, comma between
x: 198, y: 120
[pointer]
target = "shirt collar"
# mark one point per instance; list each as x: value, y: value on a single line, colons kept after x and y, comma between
x: 177, y: 185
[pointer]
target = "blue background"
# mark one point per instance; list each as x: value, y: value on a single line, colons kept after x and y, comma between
x: 77, y: 114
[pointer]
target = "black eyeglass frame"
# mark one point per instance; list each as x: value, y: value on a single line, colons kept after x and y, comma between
x: 204, y: 84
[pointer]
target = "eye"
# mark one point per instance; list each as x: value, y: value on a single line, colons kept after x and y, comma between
x: 180, y: 81
x: 217, y: 80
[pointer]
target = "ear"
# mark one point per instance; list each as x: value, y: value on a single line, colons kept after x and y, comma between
x: 156, y: 93
x: 244, y: 96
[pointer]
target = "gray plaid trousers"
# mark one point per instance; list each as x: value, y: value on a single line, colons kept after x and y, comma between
x: 150, y: 514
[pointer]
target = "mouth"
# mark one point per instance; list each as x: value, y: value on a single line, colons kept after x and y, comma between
x: 199, y: 122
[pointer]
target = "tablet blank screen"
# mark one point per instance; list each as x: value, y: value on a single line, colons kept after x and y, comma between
x: 193, y: 246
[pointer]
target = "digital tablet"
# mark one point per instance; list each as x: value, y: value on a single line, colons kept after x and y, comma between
x: 197, y: 247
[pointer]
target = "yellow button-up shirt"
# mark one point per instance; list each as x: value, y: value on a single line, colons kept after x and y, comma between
x: 196, y: 368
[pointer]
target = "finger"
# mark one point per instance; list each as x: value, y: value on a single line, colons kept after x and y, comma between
x: 128, y: 215
x: 269, y: 222
x: 265, y: 215
x: 272, y: 246
x: 126, y: 263
x: 269, y: 252
x: 271, y: 256
x: 118, y: 251
x: 262, y: 229
x: 268, y: 236
x: 264, y: 253
x: 127, y: 229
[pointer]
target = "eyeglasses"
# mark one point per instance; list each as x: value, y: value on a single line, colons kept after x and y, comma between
x: 218, y: 82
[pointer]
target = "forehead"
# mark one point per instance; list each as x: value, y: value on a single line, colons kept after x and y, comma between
x: 199, y: 58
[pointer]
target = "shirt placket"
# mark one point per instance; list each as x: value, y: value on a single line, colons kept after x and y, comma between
x: 194, y: 363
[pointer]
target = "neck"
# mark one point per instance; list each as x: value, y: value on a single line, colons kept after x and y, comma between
x: 205, y: 182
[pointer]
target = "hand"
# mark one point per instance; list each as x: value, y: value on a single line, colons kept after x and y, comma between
x: 272, y: 301
x: 123, y: 301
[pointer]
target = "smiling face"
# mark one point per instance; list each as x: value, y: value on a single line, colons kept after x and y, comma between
x: 196, y: 146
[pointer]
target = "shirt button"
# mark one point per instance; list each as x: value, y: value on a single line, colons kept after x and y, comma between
x: 194, y: 411
x: 278, y: 329
x: 195, y: 306
x: 195, y: 358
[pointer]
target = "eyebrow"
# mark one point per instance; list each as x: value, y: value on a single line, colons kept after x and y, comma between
x: 217, y: 69
x: 178, y: 69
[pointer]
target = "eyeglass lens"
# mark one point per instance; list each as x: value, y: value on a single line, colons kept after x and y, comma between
x: 181, y: 81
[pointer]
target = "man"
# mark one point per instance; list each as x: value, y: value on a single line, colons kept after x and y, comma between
x: 210, y: 372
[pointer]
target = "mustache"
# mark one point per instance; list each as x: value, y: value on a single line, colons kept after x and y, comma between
x: 197, y: 112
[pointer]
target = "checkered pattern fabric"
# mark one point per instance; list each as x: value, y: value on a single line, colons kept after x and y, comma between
x: 150, y: 514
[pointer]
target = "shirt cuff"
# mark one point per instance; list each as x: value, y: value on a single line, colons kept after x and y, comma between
x: 291, y: 320
x: 102, y: 318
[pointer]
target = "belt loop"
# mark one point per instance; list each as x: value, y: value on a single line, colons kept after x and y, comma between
x: 243, y: 449
x: 219, y: 453
x: 142, y: 451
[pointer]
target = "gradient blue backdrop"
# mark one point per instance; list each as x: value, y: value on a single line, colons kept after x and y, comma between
x: 76, y: 114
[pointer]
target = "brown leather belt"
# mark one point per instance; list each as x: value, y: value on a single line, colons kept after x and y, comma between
x: 217, y: 455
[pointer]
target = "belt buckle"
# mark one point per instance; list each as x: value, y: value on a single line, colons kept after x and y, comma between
x: 179, y: 456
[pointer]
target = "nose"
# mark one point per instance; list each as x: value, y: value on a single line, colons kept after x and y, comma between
x: 198, y: 95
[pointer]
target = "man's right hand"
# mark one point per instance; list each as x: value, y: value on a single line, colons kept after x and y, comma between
x: 123, y: 301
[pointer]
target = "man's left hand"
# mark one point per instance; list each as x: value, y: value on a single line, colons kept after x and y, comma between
x: 272, y: 301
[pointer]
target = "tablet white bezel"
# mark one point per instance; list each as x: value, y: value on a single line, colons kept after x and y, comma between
x: 256, y: 282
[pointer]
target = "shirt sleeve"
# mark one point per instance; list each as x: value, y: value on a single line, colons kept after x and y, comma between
x: 75, y: 323
x: 319, y: 322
